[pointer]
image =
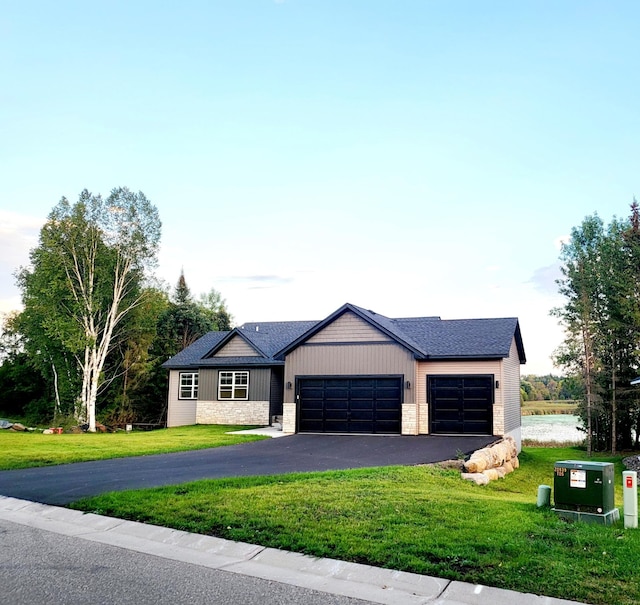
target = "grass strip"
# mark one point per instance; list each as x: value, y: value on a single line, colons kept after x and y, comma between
x: 23, y: 450
x: 422, y: 519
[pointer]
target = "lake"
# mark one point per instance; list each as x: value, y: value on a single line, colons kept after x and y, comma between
x: 552, y: 427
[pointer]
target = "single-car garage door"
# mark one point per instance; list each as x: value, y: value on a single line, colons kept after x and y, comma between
x: 369, y: 404
x: 461, y: 404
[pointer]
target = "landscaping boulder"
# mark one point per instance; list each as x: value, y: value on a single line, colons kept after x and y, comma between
x: 477, y: 478
x: 18, y: 427
x: 493, y: 462
x: 5, y: 424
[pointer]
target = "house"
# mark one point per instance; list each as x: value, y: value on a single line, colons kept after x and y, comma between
x: 355, y: 371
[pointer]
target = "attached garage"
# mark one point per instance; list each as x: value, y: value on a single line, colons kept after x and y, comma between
x: 461, y: 404
x: 338, y: 404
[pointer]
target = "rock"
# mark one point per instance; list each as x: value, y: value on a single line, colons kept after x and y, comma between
x: 480, y: 460
x: 501, y: 472
x: 100, y: 428
x: 515, y: 462
x: 18, y: 427
x: 632, y: 463
x: 491, y: 474
x: 477, y: 478
x: 47, y: 432
x: 5, y: 424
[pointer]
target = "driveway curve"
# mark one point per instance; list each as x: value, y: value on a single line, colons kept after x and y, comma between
x: 60, y: 485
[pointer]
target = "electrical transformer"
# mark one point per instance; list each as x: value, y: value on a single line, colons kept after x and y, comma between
x: 584, y: 491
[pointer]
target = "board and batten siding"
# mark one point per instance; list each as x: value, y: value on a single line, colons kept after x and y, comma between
x: 349, y: 346
x: 349, y: 360
x: 237, y: 347
x: 180, y: 412
x: 259, y: 383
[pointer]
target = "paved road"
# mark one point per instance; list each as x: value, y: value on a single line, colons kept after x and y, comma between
x: 60, y: 556
x: 63, y: 484
x: 38, y: 566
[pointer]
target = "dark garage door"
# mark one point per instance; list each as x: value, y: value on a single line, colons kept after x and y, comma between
x: 461, y: 404
x: 350, y: 405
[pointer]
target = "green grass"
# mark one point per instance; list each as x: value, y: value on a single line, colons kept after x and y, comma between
x: 539, y: 408
x: 421, y: 519
x: 22, y: 450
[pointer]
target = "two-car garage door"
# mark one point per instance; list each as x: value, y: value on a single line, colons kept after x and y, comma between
x: 370, y: 404
x: 458, y: 404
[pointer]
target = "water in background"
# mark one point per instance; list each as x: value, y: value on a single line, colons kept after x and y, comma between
x: 552, y: 427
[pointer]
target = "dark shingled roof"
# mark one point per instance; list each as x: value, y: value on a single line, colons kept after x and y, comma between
x: 426, y: 337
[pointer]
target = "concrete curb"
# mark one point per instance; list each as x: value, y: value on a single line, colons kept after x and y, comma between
x: 328, y: 575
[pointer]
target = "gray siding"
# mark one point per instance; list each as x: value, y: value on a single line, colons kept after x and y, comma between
x: 237, y: 347
x: 512, y: 411
x: 336, y: 360
x: 349, y: 328
x: 208, y: 384
x: 259, y: 383
x: 180, y: 412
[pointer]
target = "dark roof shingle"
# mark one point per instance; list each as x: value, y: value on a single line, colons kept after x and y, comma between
x: 426, y: 337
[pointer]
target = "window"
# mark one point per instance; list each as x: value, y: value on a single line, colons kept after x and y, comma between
x: 188, y: 385
x: 233, y: 385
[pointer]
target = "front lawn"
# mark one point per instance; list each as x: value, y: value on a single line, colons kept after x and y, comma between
x: 22, y: 450
x: 422, y: 519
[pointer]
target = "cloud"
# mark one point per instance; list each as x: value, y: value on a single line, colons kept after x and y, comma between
x: 18, y: 235
x: 544, y: 278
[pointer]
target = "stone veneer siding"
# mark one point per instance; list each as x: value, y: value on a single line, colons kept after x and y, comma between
x: 409, y: 419
x: 289, y: 413
x: 233, y: 412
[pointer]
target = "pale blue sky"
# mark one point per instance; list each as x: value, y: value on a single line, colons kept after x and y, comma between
x: 412, y: 157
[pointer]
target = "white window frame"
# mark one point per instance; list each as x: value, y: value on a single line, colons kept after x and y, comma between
x: 231, y: 383
x: 188, y: 385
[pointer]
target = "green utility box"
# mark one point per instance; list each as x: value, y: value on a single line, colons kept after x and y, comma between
x: 584, y: 491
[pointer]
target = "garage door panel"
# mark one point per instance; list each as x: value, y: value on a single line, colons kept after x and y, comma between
x: 461, y: 404
x: 351, y: 405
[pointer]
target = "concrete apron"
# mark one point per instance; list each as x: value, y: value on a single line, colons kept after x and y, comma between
x: 365, y: 582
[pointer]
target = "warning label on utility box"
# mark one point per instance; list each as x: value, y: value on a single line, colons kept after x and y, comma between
x: 578, y: 478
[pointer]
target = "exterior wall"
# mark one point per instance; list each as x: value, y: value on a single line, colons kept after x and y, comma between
x: 506, y: 408
x: 512, y: 412
x: 289, y: 418
x: 208, y: 410
x: 259, y: 383
x: 180, y: 412
x: 237, y: 347
x: 349, y: 346
x: 433, y: 368
x: 349, y: 328
x: 233, y: 412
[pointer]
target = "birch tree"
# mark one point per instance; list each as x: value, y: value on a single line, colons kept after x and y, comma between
x: 85, y: 278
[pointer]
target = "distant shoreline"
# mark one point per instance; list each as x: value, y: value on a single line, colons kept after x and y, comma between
x: 543, y: 408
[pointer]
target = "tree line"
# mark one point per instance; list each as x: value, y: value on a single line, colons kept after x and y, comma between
x: 550, y: 388
x: 600, y: 283
x: 96, y: 325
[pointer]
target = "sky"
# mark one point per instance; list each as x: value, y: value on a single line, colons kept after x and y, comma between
x: 416, y: 158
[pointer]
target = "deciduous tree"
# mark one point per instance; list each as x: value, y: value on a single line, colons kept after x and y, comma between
x: 85, y: 279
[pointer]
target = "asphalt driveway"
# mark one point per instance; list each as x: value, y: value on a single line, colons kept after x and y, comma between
x: 60, y: 485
